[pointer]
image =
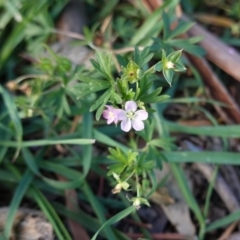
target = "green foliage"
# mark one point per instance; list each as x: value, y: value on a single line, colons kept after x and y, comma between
x: 103, y: 64
x: 142, y: 57
x: 169, y: 64
x: 168, y: 42
x: 24, y: 22
x: 89, y: 86
x: 124, y: 160
x: 39, y: 115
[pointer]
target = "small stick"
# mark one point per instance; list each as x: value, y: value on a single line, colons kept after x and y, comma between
x: 218, y: 91
x: 224, y: 56
x: 161, y: 236
x: 228, y: 231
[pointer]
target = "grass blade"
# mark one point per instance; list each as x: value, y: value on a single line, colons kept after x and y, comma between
x: 203, y: 157
x: 209, y: 192
x: 47, y: 142
x: 13, y: 113
x: 98, y: 209
x: 102, y: 138
x: 87, y: 133
x: 86, y: 220
x: 30, y: 161
x: 151, y: 23
x: 19, y: 193
x: 114, y: 219
x: 51, y: 214
x: 224, y: 221
x: 191, y: 201
x: 232, y: 131
x: 18, y: 33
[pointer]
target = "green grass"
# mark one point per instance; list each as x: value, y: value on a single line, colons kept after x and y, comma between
x: 42, y: 135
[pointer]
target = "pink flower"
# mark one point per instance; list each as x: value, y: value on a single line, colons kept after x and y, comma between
x: 132, y: 118
x: 111, y: 114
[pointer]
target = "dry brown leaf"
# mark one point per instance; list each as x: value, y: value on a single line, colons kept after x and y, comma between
x: 178, y: 212
x: 235, y: 236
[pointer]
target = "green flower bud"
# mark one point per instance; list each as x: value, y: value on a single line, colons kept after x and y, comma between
x: 137, y: 201
x: 132, y: 73
x: 141, y: 105
x: 121, y: 184
x: 169, y: 65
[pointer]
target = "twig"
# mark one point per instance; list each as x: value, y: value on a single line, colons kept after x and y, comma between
x: 75, y: 123
x: 68, y: 34
x: 161, y: 236
x: 224, y: 56
x: 106, y: 23
x: 218, y: 91
x: 125, y: 50
x: 228, y: 231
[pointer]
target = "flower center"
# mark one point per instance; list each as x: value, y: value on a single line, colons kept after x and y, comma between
x: 111, y: 115
x: 130, y: 115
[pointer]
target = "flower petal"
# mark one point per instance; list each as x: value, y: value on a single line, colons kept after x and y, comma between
x: 138, y: 124
x: 110, y: 114
x: 110, y: 120
x: 126, y: 125
x: 131, y: 106
x: 105, y: 114
x: 121, y: 114
x: 141, y: 114
x: 110, y: 108
x: 115, y: 120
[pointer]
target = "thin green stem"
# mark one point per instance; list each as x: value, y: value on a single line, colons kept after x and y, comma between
x: 150, y: 70
x: 129, y: 177
x: 202, y: 232
x: 209, y: 191
x: 137, y: 185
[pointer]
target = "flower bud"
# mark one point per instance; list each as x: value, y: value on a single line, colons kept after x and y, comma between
x: 132, y: 73
x: 169, y: 65
x: 137, y: 203
x: 117, y: 189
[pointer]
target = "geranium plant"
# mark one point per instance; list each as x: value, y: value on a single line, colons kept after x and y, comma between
x: 125, y: 100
